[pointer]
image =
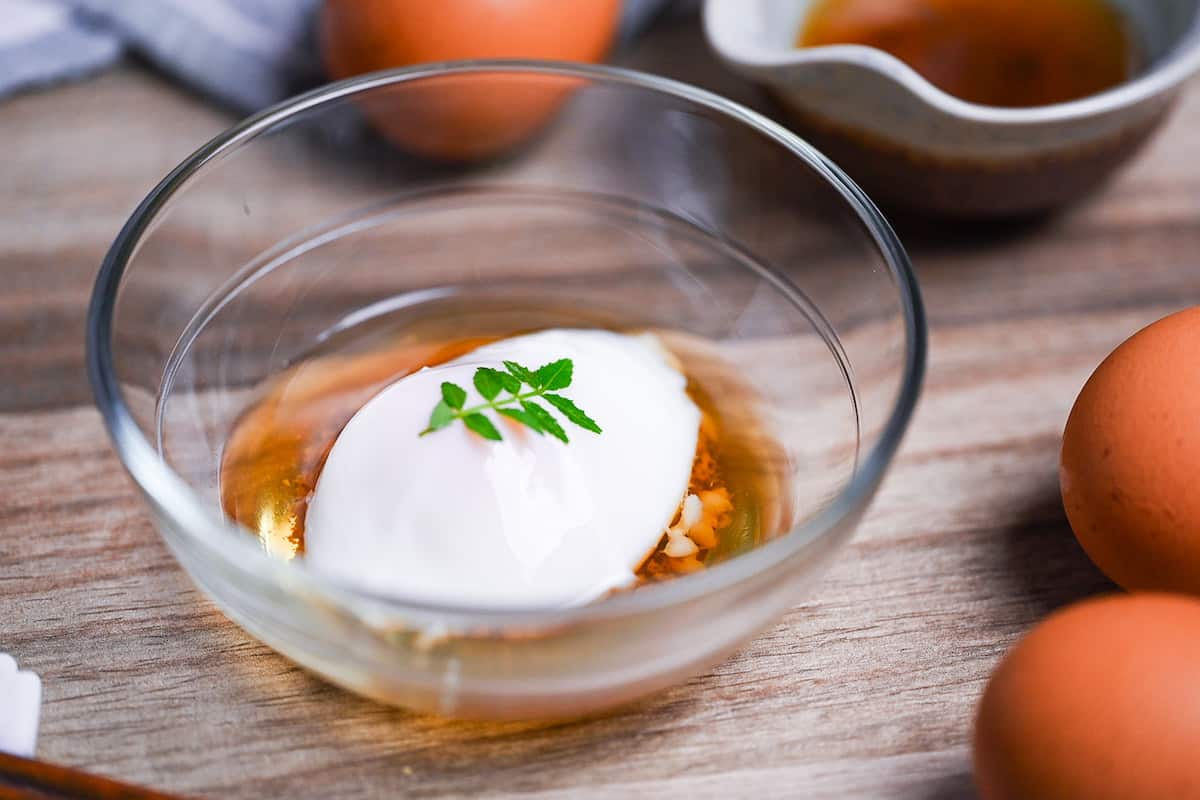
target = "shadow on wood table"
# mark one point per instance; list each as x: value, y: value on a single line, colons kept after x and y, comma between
x: 1047, y: 567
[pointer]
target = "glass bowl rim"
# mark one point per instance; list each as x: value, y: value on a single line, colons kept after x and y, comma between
x: 240, y: 553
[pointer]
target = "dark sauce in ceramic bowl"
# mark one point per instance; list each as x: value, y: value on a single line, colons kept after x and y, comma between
x: 1010, y: 53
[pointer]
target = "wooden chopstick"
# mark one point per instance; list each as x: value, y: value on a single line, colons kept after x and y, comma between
x: 27, y: 779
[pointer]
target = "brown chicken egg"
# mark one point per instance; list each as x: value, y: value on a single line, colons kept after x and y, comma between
x: 464, y: 117
x: 1099, y: 702
x: 1131, y: 459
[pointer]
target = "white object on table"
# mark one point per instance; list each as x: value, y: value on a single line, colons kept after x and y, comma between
x: 20, y: 701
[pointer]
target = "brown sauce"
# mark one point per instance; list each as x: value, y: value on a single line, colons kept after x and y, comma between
x: 1012, y: 53
x: 275, y: 451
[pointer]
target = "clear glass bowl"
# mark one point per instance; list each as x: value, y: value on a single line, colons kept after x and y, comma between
x: 598, y: 187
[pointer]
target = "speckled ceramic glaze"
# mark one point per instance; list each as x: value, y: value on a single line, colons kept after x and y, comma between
x: 911, y: 143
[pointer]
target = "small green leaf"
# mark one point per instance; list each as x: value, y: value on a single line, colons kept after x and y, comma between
x: 489, y: 382
x: 556, y: 374
x: 525, y: 419
x: 442, y: 416
x: 545, y: 419
x: 511, y: 385
x: 483, y: 426
x: 501, y: 393
x: 573, y: 412
x: 523, y: 374
x: 453, y: 395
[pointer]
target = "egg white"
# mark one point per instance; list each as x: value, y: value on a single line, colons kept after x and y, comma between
x: 529, y: 522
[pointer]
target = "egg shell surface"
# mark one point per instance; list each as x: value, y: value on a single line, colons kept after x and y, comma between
x: 1131, y: 459
x: 1100, y: 701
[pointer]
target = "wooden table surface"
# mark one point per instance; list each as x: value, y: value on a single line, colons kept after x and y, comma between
x: 866, y: 690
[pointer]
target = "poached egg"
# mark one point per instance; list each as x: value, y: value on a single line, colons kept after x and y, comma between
x: 529, y: 522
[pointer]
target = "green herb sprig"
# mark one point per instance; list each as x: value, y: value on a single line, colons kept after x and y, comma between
x: 518, y: 405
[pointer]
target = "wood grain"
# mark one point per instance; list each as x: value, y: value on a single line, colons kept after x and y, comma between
x: 865, y: 690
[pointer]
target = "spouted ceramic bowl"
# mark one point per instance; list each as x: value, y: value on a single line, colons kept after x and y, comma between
x: 913, y: 145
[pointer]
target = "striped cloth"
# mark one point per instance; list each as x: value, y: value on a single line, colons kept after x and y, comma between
x: 244, y: 53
